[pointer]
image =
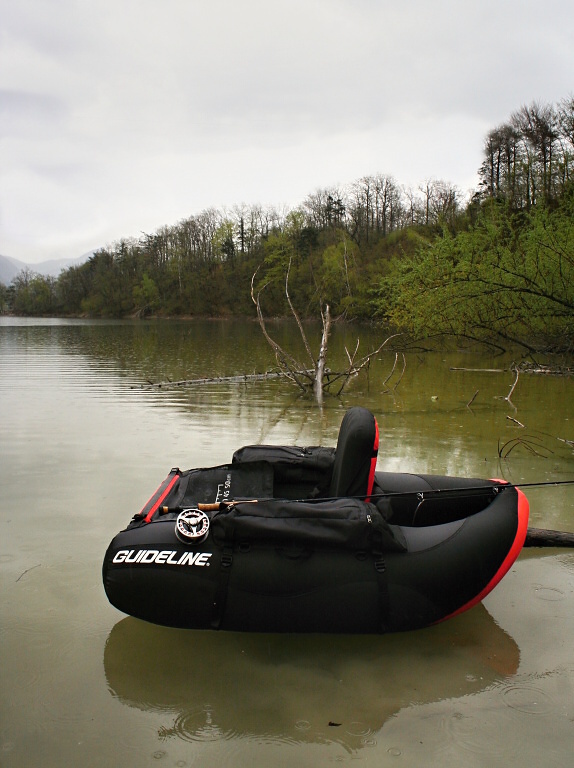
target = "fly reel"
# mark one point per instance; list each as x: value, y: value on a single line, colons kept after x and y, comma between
x: 192, y: 526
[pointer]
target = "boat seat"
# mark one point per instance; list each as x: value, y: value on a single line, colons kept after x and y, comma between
x: 356, y: 455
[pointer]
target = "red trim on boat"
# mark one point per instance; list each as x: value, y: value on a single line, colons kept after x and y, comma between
x: 373, y: 468
x: 161, y: 495
x: 514, y: 551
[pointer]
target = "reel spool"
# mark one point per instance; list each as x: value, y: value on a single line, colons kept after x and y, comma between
x: 192, y: 526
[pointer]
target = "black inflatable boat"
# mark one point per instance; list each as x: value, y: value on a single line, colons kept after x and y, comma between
x: 290, y: 539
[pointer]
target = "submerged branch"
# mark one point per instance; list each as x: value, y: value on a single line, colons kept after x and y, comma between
x: 396, y: 384
x: 532, y: 443
x: 472, y: 399
x: 534, y: 368
x: 239, y: 378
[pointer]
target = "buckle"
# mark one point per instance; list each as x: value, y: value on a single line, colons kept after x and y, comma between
x: 380, y: 566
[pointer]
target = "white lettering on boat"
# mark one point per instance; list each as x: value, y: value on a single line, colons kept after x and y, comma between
x: 161, y: 557
x: 224, y: 490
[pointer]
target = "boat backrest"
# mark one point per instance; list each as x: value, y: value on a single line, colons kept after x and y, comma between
x: 356, y: 455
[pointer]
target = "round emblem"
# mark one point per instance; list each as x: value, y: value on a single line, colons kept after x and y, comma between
x: 192, y: 526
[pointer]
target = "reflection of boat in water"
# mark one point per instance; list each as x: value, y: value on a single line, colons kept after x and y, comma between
x: 291, y: 687
x: 286, y: 539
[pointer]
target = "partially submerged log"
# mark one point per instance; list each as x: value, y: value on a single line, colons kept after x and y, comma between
x: 238, y: 379
x: 542, y: 537
x: 534, y: 368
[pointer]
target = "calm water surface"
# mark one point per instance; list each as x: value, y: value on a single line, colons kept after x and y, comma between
x: 82, y: 446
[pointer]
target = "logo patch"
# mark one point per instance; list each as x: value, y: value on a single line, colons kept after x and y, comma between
x: 160, y: 557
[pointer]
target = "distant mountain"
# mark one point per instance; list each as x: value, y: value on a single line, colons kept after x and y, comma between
x: 10, y: 267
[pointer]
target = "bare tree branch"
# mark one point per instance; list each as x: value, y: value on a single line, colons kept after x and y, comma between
x: 320, y: 378
x: 320, y: 367
x: 393, y: 370
x: 296, y: 316
x: 290, y: 367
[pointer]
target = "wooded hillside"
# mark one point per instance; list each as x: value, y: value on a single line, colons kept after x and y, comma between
x: 497, y: 263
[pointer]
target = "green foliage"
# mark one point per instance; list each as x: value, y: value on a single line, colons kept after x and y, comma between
x: 509, y: 277
x: 4, y: 298
x: 223, y: 243
x: 33, y: 294
x: 339, y: 275
x: 146, y: 295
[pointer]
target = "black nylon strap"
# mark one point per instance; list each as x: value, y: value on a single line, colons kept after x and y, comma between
x: 384, y: 598
x: 221, y: 593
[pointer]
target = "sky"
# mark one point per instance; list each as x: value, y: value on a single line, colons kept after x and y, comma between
x: 118, y: 117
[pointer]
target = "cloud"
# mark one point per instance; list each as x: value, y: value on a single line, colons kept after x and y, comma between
x: 122, y: 115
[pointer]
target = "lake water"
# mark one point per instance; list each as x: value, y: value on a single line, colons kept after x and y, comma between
x: 82, y: 446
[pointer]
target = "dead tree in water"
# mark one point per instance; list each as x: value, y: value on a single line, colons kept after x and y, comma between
x: 317, y: 378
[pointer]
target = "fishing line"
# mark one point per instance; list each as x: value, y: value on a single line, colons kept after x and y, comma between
x: 496, y: 487
x: 471, y: 490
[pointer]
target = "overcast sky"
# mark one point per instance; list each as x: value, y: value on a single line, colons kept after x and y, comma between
x: 120, y: 116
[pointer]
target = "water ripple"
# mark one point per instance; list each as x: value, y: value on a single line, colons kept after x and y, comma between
x: 468, y: 733
x: 196, y: 726
x: 548, y: 593
x: 527, y: 698
x: 566, y: 561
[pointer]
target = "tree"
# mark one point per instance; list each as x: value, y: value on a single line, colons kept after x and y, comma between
x: 499, y: 170
x: 338, y: 274
x: 530, y: 158
x: 223, y: 243
x: 325, y: 208
x: 146, y: 295
x: 566, y: 139
x: 508, y: 278
x: 316, y: 378
x: 4, y: 296
x: 537, y: 125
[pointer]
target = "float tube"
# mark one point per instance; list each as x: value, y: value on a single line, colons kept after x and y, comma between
x: 290, y: 539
